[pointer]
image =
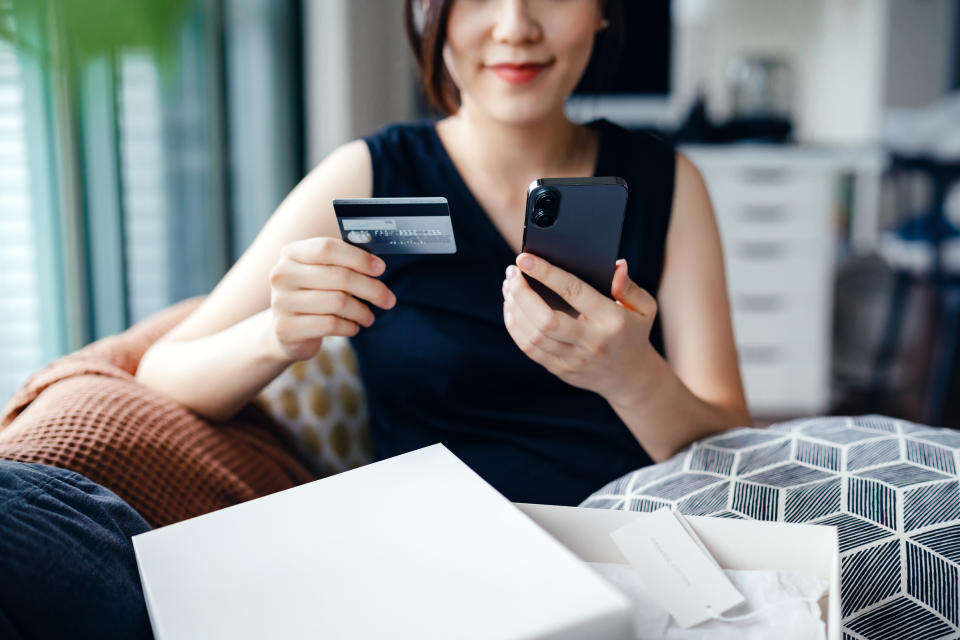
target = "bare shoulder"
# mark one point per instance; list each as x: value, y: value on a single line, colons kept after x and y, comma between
x: 350, y: 162
x: 686, y: 170
x: 689, y: 186
x: 691, y: 215
x: 695, y: 309
x: 306, y: 212
x: 308, y: 209
x: 345, y: 173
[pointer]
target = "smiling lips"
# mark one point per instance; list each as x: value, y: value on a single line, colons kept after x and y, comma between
x: 518, y: 73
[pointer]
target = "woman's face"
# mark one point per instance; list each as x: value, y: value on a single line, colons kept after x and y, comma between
x: 519, y: 60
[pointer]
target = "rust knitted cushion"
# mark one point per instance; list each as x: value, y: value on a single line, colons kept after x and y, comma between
x: 86, y: 412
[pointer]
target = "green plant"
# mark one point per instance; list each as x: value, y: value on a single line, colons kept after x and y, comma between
x: 70, y: 33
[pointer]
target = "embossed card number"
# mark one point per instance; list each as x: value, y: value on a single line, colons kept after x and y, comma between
x: 396, y: 225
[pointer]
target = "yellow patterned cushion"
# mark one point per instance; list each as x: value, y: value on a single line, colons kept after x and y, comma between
x: 322, y: 403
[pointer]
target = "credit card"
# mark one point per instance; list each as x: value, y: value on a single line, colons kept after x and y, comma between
x: 396, y: 225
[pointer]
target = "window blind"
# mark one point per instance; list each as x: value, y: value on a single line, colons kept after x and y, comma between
x: 20, y: 340
x: 145, y: 199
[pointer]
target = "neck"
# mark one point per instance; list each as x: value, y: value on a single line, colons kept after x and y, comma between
x: 550, y: 147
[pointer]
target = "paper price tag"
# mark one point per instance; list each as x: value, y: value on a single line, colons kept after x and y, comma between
x: 682, y: 575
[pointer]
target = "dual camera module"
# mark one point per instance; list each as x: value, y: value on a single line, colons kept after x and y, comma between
x: 546, y: 206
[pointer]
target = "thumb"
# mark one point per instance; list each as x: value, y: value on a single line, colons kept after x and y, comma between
x: 629, y: 294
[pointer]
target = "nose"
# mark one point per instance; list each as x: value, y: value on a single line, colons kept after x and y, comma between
x: 515, y: 24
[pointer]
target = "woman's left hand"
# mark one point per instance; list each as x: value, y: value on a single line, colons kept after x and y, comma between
x: 606, y: 349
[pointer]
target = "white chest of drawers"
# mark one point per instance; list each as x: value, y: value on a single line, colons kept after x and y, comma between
x: 775, y: 209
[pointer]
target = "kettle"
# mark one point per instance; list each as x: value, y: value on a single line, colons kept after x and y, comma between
x: 760, y: 87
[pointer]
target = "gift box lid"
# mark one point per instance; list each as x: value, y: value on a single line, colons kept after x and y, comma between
x: 416, y: 546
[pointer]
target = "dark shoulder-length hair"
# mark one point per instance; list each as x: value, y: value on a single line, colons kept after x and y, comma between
x: 426, y: 24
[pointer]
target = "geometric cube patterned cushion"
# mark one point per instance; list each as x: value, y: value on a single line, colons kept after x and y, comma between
x: 322, y: 405
x: 890, y: 487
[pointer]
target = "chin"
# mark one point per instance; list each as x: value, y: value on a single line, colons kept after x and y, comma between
x: 520, y: 109
x: 520, y: 116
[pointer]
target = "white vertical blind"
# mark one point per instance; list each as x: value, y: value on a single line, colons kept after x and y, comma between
x: 144, y: 186
x: 20, y: 340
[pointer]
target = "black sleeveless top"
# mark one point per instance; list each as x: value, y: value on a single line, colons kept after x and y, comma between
x: 441, y: 367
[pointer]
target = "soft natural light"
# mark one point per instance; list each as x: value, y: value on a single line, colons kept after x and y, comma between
x: 20, y: 351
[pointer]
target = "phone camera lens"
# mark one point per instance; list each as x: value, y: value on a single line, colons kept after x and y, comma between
x: 543, y: 219
x: 546, y: 201
x: 545, y: 206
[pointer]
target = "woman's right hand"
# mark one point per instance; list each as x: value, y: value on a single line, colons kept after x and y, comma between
x: 315, y: 291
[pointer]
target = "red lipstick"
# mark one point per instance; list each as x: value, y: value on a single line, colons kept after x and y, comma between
x: 518, y: 73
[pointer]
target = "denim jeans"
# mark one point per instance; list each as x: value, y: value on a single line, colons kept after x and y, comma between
x: 67, y: 568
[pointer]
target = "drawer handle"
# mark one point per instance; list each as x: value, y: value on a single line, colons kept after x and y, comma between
x: 765, y: 175
x: 760, y: 354
x: 758, y: 302
x: 761, y: 250
x: 765, y: 213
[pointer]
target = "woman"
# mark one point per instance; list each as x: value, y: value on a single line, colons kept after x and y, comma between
x: 544, y: 406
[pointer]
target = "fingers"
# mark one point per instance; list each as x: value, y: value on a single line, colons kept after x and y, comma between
x: 528, y: 338
x: 333, y: 251
x: 530, y: 307
x: 631, y: 295
x: 318, y: 302
x: 315, y: 291
x: 575, y: 291
x: 537, y: 347
x: 337, y: 278
x: 297, y: 329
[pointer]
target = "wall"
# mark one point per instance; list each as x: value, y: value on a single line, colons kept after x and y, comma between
x: 836, y: 49
x: 921, y: 44
x: 262, y: 87
x: 359, y: 71
x: 851, y: 58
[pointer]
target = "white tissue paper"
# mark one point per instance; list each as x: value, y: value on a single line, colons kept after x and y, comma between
x: 780, y: 604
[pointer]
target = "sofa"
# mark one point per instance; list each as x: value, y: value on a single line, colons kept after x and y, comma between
x: 890, y: 487
x: 87, y: 413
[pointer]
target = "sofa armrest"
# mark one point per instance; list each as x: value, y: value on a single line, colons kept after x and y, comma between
x: 86, y: 412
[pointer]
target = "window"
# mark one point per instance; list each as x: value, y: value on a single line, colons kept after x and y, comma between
x: 118, y: 177
x: 144, y: 190
x: 20, y: 346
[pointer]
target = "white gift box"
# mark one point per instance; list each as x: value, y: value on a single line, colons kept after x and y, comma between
x: 416, y: 546
x: 734, y: 544
x: 419, y: 546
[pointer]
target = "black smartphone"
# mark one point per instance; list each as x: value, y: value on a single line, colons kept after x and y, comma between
x: 575, y: 224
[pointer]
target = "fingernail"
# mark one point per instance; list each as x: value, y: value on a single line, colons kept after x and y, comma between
x: 392, y: 300
x: 511, y: 272
x: 526, y: 261
x: 379, y: 265
x: 622, y: 261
